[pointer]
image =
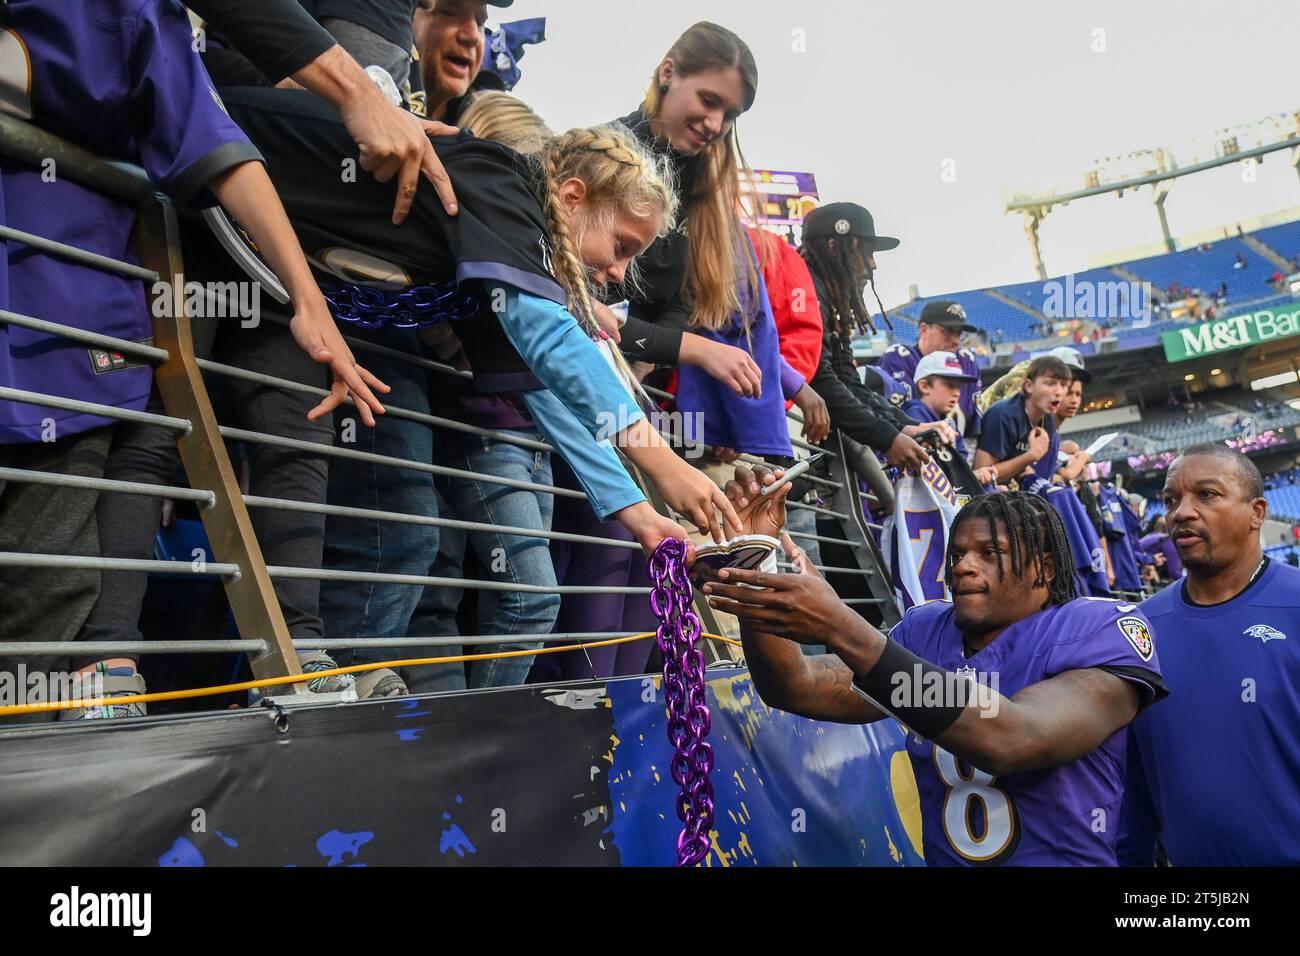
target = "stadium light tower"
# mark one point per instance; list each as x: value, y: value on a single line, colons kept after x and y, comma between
x: 1158, y: 168
x: 1159, y: 193
x: 1033, y: 218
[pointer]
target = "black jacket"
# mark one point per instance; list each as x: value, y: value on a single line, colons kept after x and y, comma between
x: 657, y: 314
x: 859, y: 412
x: 279, y: 37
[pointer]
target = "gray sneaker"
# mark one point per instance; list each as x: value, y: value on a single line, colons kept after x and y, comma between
x: 100, y: 683
x: 381, y: 683
x: 313, y: 661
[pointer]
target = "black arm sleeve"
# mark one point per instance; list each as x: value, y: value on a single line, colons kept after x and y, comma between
x: 658, y: 343
x: 860, y: 413
x: 278, y: 36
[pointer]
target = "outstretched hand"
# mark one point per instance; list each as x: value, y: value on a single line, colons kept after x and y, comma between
x: 314, y: 330
x: 799, y: 607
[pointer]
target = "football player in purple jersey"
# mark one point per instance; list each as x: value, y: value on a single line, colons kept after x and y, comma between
x: 1016, y: 695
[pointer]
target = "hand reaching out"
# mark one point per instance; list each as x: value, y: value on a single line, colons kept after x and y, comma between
x: 314, y: 330
x: 816, y: 417
x: 758, y: 514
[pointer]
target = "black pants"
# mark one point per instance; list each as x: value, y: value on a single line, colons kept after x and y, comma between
x: 39, y: 604
x: 128, y: 524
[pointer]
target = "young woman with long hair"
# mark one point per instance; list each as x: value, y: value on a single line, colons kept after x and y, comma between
x: 700, y: 277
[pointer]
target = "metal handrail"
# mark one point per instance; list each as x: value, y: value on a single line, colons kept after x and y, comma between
x: 176, y: 377
x: 248, y: 580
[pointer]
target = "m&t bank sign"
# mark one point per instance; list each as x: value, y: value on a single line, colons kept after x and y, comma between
x: 1237, y: 332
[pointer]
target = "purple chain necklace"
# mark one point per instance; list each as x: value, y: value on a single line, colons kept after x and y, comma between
x: 688, y: 712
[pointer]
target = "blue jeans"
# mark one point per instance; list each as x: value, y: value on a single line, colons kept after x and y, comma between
x: 803, y: 520
x: 361, y: 608
x: 508, y: 558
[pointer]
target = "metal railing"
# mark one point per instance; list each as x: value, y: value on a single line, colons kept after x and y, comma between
x: 248, y: 586
x: 238, y: 560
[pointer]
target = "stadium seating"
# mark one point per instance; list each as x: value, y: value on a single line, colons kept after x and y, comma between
x: 1195, y: 268
x: 1206, y: 269
x: 1284, y: 502
x: 1280, y: 552
x: 982, y: 310
x: 1283, y: 239
x: 1166, y: 429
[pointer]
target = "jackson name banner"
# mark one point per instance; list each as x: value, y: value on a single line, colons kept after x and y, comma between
x: 1237, y: 332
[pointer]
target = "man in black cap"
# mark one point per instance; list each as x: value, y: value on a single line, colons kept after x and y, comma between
x: 940, y: 328
x: 839, y: 245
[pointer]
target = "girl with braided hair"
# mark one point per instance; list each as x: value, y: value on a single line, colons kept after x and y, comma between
x: 591, y: 156
x: 511, y: 271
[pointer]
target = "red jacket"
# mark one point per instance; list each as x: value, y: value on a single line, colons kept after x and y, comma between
x: 795, y: 307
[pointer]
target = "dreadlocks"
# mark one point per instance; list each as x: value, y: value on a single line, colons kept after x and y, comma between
x: 1035, y: 533
x: 839, y: 267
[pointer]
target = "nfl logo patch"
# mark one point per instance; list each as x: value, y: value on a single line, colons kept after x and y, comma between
x: 1135, y: 629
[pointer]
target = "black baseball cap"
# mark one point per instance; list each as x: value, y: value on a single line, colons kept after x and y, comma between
x: 845, y: 219
x: 947, y: 314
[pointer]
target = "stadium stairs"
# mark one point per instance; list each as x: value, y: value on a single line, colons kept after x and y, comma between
x: 1276, y: 258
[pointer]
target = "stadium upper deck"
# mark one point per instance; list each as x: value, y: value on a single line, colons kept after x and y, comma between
x: 1243, y: 268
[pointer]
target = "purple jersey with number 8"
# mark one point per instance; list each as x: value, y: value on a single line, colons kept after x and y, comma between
x: 1066, y: 815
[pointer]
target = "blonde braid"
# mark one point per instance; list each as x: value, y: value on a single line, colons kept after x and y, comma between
x: 570, y: 270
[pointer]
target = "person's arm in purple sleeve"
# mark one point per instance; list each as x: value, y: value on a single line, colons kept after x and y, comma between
x: 791, y: 381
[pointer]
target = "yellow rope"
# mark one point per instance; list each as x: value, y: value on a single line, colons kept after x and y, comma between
x: 15, y: 709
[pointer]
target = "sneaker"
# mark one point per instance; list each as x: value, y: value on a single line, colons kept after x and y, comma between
x: 381, y: 683
x: 105, y: 682
x: 320, y: 661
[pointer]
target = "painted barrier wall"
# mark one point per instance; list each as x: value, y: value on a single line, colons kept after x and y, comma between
x: 569, y: 774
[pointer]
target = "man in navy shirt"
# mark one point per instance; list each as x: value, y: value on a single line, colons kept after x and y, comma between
x: 1018, y: 434
x: 1213, y: 771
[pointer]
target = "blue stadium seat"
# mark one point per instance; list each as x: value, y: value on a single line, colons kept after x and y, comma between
x: 1194, y: 268
x: 1205, y: 270
x: 1283, y: 239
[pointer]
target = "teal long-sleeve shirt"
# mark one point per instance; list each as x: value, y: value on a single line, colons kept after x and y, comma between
x: 584, y: 403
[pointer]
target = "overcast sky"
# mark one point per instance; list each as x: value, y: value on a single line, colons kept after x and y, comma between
x: 1011, y: 91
